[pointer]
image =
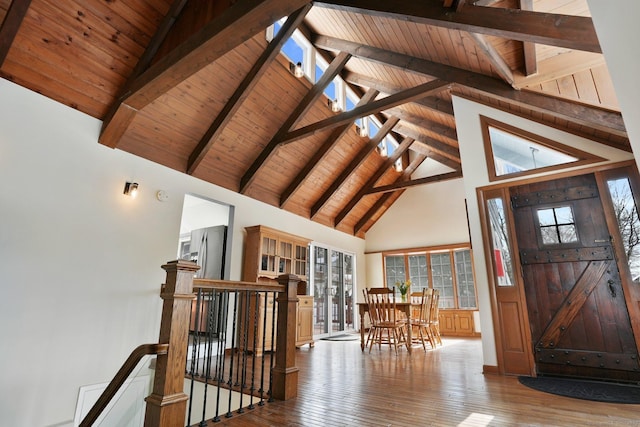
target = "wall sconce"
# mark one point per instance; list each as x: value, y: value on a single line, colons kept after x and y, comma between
x: 296, y: 69
x: 398, y: 165
x: 334, y: 105
x: 362, y: 132
x: 131, y: 189
x: 382, y: 149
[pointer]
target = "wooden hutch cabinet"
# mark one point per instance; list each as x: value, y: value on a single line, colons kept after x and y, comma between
x: 268, y: 253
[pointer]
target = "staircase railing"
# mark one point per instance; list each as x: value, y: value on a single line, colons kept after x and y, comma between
x: 119, y: 379
x: 167, y: 404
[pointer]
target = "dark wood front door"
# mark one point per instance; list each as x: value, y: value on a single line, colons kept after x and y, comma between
x: 577, y: 311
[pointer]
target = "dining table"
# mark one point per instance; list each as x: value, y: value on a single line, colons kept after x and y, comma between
x: 404, y: 306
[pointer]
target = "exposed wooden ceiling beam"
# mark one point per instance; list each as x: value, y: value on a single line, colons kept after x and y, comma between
x: 322, y: 152
x: 572, y: 32
x: 529, y: 49
x: 355, y: 163
x: 384, y: 168
x: 10, y: 25
x: 414, y: 182
x: 296, y: 115
x: 386, y: 197
x: 584, y: 115
x: 433, y: 103
x: 241, y: 21
x: 426, y: 124
x: 247, y: 84
x: 364, y: 110
x: 494, y: 57
x: 432, y: 144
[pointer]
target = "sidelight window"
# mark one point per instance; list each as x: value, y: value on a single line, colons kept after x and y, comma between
x: 626, y: 213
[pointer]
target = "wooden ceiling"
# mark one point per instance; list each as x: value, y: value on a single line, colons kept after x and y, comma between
x: 196, y: 86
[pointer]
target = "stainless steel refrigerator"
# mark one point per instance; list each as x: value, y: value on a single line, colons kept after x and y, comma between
x: 207, y: 249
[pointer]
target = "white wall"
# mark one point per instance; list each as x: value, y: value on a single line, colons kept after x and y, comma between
x: 80, y: 262
x: 426, y: 215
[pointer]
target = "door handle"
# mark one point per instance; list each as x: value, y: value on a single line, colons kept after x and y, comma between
x: 611, y: 288
x: 601, y: 241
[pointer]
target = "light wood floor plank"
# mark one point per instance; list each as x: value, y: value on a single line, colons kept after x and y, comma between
x: 341, y: 386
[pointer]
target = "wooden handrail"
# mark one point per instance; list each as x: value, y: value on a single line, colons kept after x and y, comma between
x: 234, y: 285
x: 121, y: 376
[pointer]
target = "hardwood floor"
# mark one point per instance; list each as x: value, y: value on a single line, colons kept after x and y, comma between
x: 341, y: 386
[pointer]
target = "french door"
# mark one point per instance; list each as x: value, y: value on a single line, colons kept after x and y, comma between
x: 332, y: 284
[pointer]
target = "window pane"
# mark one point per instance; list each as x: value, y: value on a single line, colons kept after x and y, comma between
x: 442, y: 279
x: 564, y: 215
x: 567, y: 233
x: 500, y: 239
x: 549, y: 235
x: 394, y: 269
x: 546, y: 217
x: 513, y: 153
x: 293, y: 51
x: 626, y: 213
x: 418, y: 272
x: 464, y: 277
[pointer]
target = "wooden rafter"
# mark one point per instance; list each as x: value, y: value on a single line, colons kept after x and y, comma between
x: 432, y: 144
x: 322, y: 152
x: 355, y: 163
x: 583, y: 115
x: 10, y: 25
x: 529, y: 49
x: 572, y: 32
x: 431, y: 126
x: 241, y: 21
x: 296, y: 115
x: 248, y: 83
x: 399, y: 98
x: 432, y: 103
x: 397, y: 153
x: 414, y: 182
x: 494, y: 57
x: 406, y: 175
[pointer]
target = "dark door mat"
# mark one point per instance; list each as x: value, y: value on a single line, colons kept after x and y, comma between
x: 599, y: 391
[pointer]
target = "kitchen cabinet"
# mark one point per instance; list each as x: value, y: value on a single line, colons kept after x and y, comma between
x: 268, y: 253
x: 457, y: 323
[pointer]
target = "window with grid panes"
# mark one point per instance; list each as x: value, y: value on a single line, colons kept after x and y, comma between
x: 450, y: 271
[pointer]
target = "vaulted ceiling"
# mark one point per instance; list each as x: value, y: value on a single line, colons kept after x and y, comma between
x: 197, y: 87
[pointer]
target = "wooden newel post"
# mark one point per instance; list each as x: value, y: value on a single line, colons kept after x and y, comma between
x: 285, y: 372
x: 167, y: 404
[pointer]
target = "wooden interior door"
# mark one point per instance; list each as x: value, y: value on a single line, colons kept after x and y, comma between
x: 577, y: 312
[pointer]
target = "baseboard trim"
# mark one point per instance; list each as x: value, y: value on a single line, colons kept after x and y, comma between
x: 490, y: 370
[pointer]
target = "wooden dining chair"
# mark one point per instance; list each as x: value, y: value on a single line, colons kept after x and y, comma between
x: 421, y: 317
x: 434, y: 319
x: 386, y: 325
